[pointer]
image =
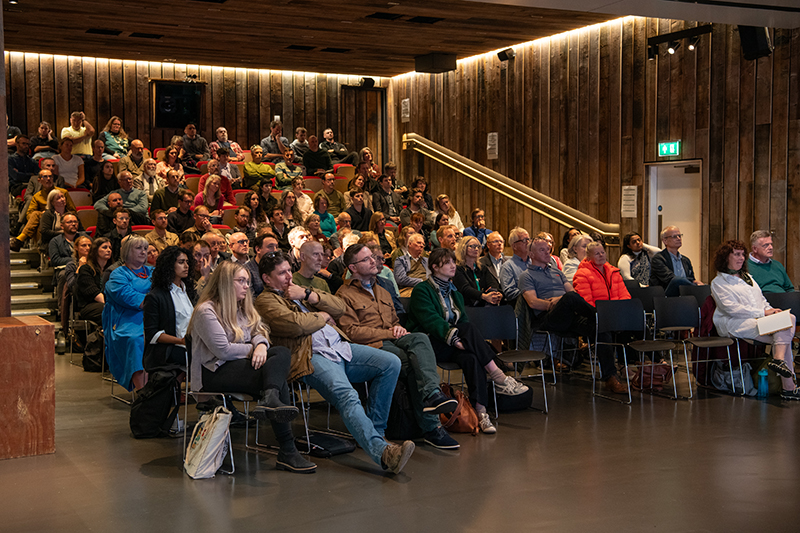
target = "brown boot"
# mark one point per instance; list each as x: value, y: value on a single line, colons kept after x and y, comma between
x: 613, y: 384
x: 15, y: 244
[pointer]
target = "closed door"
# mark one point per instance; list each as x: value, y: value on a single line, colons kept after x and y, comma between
x: 676, y: 192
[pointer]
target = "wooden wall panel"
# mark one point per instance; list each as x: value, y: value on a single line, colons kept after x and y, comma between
x: 582, y: 114
x: 46, y: 87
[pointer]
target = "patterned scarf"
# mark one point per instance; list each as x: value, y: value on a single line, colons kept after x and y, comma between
x: 742, y: 274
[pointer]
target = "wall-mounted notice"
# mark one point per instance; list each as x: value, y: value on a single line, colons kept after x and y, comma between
x: 491, y: 145
x: 630, y: 193
x: 405, y: 110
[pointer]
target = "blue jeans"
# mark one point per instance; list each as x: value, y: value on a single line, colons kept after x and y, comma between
x: 674, y: 287
x: 333, y: 381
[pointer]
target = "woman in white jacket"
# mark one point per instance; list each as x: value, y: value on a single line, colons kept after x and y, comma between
x: 740, y: 302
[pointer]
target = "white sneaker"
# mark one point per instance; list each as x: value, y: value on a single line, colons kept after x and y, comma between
x: 486, y: 424
x: 511, y: 387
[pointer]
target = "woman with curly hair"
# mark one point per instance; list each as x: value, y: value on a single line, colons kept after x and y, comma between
x: 167, y: 310
x: 740, y: 302
x: 377, y: 225
x: 115, y: 138
x: 231, y: 353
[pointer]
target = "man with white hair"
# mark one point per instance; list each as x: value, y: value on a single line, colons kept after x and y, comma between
x: 511, y: 270
x: 669, y: 268
x: 411, y: 268
x: 297, y: 236
x: 768, y: 273
x: 232, y: 148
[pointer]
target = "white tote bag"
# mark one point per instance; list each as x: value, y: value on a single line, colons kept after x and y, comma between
x: 209, y: 444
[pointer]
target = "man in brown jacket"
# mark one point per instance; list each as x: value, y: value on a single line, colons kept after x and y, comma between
x: 370, y: 319
x: 302, y: 319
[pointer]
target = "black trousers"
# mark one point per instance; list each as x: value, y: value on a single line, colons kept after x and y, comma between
x: 572, y: 314
x: 93, y: 311
x: 240, y: 376
x: 472, y: 360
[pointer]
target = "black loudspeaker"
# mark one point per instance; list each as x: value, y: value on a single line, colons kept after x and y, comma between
x: 505, y: 55
x: 755, y: 42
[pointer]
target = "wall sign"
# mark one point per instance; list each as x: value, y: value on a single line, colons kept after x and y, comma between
x: 668, y: 149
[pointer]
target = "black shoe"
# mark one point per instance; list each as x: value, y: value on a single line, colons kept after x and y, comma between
x: 437, y: 403
x: 440, y: 438
x: 790, y: 394
x: 294, y: 462
x: 270, y: 407
x: 15, y: 244
x: 779, y: 367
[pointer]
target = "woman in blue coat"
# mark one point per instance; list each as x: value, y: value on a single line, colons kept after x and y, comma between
x: 123, y: 321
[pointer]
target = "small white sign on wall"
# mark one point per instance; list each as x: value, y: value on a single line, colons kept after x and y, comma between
x: 630, y: 195
x: 405, y: 110
x: 491, y: 145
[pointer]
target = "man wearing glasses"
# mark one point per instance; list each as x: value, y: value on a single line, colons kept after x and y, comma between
x: 182, y: 218
x: 520, y: 240
x: 669, y: 268
x: 478, y: 228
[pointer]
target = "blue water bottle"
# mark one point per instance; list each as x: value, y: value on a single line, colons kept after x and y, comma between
x: 763, y: 384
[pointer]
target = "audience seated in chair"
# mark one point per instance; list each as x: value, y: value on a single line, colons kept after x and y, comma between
x: 669, y: 268
x: 316, y: 160
x: 411, y: 269
x: 160, y: 237
x: 134, y: 200
x: 36, y: 208
x: 232, y: 148
x: 274, y: 144
x: 338, y: 152
x: 195, y: 147
x: 635, y: 259
x: 149, y: 181
x: 81, y: 133
x: 135, y: 160
x: 768, y: 273
x: 322, y: 356
x: 311, y: 256
x: 114, y: 138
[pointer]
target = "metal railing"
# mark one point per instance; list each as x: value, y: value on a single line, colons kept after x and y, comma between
x: 513, y: 190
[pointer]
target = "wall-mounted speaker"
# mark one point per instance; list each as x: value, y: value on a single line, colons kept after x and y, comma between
x: 755, y: 42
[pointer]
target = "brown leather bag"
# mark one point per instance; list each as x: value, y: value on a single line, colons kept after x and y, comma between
x: 652, y: 377
x: 463, y: 419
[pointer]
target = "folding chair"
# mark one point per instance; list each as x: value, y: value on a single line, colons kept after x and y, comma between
x: 616, y: 316
x: 682, y: 314
x: 700, y: 292
x: 646, y: 295
x: 501, y: 323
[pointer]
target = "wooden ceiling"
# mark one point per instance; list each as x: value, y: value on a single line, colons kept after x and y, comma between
x: 363, y: 37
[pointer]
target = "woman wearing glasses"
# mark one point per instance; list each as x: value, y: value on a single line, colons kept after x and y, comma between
x: 231, y: 353
x: 474, y: 282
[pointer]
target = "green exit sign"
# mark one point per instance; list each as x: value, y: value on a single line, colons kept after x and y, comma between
x: 669, y: 149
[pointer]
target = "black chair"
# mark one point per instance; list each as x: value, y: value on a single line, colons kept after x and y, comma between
x: 617, y: 316
x: 631, y: 284
x: 646, y: 295
x: 700, y: 292
x: 683, y: 314
x: 501, y: 323
x: 785, y: 300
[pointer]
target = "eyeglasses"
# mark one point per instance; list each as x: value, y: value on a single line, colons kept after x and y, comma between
x: 676, y: 236
x: 242, y: 281
x: 201, y: 215
x: 474, y: 246
x: 525, y: 241
x: 242, y: 242
x: 499, y: 241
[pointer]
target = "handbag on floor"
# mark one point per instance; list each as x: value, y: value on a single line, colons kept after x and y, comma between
x: 324, y: 445
x: 463, y: 419
x: 652, y: 377
x: 208, y: 445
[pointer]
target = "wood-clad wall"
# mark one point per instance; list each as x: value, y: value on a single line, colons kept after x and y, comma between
x: 578, y: 115
x: 46, y: 87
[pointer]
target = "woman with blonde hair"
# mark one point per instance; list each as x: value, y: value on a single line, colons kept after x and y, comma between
x: 231, y: 353
x: 576, y: 252
x: 123, y: 320
x: 402, y: 244
x: 474, y: 282
x: 211, y: 197
x: 304, y: 201
x: 444, y: 206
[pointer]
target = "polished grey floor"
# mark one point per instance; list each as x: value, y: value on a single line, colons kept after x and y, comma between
x: 716, y: 463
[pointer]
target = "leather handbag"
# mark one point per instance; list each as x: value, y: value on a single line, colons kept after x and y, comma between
x: 652, y: 377
x: 463, y: 419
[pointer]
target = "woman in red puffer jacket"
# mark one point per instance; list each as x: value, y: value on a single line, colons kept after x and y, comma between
x: 596, y: 279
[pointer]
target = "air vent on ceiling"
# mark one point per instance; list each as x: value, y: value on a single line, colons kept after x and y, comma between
x: 299, y: 47
x: 385, y: 16
x: 146, y: 35
x: 101, y: 31
x: 425, y: 20
x: 337, y: 50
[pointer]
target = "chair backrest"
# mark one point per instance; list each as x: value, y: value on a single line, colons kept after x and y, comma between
x: 343, y: 169
x: 228, y: 215
x: 159, y: 154
x: 646, y: 295
x: 192, y: 183
x: 700, y: 292
x: 785, y: 300
x: 222, y: 228
x: 87, y: 215
x: 80, y: 197
x: 676, y: 312
x: 340, y: 184
x: 314, y: 183
x: 239, y: 194
x: 142, y: 230
x: 494, y: 322
x: 620, y: 315
x: 631, y: 284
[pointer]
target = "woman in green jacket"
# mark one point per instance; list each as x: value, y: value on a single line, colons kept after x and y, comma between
x: 437, y: 309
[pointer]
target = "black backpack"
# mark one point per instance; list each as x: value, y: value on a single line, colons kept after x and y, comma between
x: 402, y: 424
x: 150, y: 412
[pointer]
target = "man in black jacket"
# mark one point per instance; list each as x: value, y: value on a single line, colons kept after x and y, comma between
x: 338, y: 151
x: 669, y: 268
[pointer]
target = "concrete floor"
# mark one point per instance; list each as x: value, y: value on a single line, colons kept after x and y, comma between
x: 716, y: 463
